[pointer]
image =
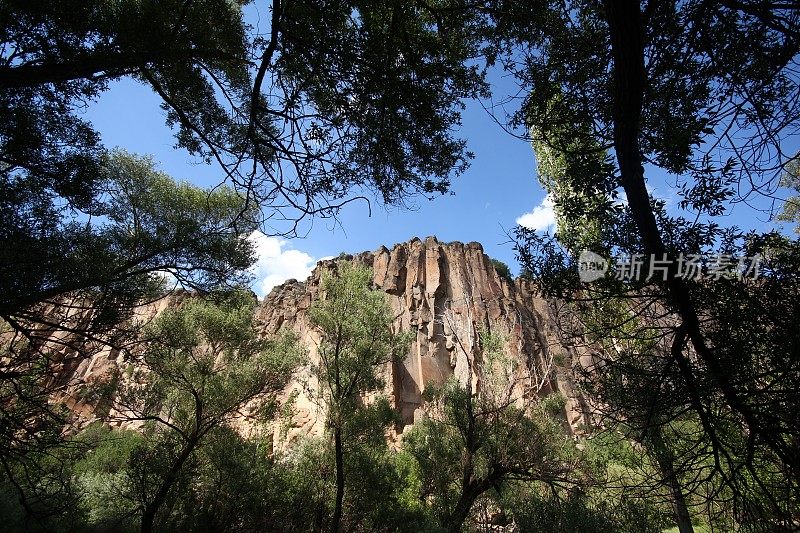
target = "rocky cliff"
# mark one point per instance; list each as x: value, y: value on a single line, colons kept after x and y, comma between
x: 444, y: 293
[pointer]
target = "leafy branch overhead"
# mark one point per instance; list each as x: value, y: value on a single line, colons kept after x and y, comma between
x: 334, y: 97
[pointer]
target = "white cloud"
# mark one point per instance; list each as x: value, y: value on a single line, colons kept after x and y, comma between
x: 541, y: 218
x: 277, y: 262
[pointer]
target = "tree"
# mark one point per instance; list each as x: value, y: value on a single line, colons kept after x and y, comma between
x: 357, y: 343
x: 483, y: 431
x: 295, y: 135
x: 371, y: 100
x: 204, y: 363
x: 102, y: 474
x: 55, y: 173
x: 146, y: 224
x: 705, y: 92
x: 297, y: 126
x: 70, y: 287
x: 503, y: 270
x: 631, y: 382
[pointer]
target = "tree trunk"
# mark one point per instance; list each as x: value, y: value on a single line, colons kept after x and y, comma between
x: 666, y: 463
x: 337, y: 512
x: 627, y: 50
x: 149, y: 514
x: 682, y: 516
x: 461, y: 510
x: 469, y: 494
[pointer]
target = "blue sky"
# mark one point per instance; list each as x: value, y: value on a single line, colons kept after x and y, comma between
x: 499, y: 187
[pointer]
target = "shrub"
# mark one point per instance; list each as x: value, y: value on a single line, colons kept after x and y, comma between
x: 503, y: 270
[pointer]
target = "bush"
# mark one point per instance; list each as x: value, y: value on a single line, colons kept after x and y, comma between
x: 502, y: 269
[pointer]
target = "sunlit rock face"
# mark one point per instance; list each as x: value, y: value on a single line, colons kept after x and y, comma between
x: 445, y: 294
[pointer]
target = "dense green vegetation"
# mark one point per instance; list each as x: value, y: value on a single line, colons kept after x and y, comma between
x: 699, y: 370
x: 187, y: 468
x: 694, y: 381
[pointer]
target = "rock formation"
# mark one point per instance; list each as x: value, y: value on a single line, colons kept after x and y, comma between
x: 445, y: 294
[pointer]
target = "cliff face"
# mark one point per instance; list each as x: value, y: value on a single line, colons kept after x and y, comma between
x: 444, y: 294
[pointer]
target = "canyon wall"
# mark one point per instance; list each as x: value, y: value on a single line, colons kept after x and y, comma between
x: 443, y: 293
